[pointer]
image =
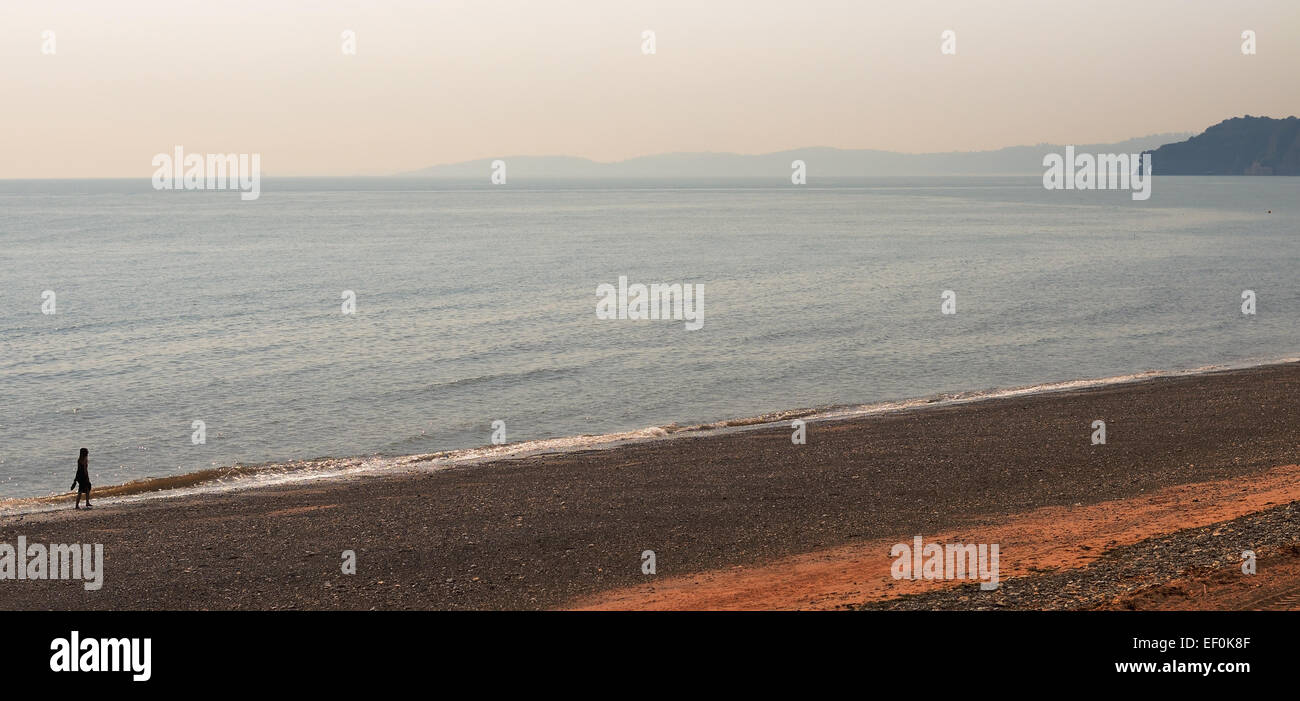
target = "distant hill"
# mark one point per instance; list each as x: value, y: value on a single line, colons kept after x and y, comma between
x: 821, y: 161
x: 1238, y: 146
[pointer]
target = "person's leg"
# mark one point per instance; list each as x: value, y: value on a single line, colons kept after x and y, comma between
x: 78, y: 504
x: 87, y: 496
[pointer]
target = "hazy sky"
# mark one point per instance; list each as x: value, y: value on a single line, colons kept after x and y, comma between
x: 444, y: 81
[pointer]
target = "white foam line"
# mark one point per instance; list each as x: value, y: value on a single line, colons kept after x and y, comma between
x: 344, y: 468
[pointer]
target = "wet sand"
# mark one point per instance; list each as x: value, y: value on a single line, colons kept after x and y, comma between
x: 564, y: 531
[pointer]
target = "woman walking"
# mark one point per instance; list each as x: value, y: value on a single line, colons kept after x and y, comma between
x: 83, y: 478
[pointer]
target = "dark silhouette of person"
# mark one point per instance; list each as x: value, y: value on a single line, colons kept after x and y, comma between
x: 82, y: 479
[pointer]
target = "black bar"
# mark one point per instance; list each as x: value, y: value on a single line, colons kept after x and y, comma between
x: 233, y: 650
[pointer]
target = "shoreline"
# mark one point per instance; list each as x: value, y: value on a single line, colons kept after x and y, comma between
x: 242, y: 476
x: 555, y: 530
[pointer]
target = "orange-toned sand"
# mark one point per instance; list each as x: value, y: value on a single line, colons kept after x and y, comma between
x: 1274, y: 587
x: 1043, y: 539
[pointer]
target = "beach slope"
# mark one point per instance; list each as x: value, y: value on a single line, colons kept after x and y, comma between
x: 739, y: 520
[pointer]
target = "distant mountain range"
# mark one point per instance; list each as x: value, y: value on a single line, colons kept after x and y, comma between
x: 821, y: 162
x: 1238, y: 146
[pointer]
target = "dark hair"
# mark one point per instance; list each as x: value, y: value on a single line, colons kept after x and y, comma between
x: 84, y: 452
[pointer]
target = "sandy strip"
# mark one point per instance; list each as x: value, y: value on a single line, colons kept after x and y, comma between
x: 1042, y: 539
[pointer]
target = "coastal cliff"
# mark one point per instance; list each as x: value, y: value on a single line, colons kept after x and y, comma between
x: 1238, y: 146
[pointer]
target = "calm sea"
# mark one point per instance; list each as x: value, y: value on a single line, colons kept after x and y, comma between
x: 476, y: 303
